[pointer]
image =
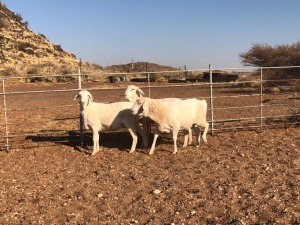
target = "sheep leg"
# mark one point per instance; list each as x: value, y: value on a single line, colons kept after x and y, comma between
x: 185, y: 143
x: 198, y: 135
x: 153, y: 144
x: 96, y: 142
x: 204, y: 132
x: 175, y: 134
x: 190, y: 136
x: 143, y: 134
x: 134, y: 140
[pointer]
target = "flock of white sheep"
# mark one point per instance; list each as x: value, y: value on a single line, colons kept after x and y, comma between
x: 168, y: 115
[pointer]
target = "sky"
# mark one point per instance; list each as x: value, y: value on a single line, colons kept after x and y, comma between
x: 177, y: 33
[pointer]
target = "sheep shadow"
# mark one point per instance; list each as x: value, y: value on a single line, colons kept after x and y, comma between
x: 70, y: 138
x: 120, y: 140
x: 292, y: 120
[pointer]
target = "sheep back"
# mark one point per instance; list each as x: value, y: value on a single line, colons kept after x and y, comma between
x: 183, y: 113
x: 110, y: 116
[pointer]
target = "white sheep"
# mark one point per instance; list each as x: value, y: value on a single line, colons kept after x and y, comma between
x: 107, y: 116
x: 133, y: 92
x: 173, y: 116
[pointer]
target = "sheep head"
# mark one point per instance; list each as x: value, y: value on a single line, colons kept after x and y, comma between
x: 84, y: 97
x: 141, y: 107
x: 133, y: 92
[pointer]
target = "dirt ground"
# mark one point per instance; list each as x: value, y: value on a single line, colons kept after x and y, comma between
x: 239, y: 177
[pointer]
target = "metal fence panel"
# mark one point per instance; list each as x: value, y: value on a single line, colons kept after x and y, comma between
x: 44, y: 114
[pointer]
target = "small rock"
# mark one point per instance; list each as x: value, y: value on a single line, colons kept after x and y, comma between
x: 156, y: 191
x: 100, y: 195
x: 134, y: 221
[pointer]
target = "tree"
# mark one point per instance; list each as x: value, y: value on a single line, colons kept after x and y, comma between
x: 264, y: 55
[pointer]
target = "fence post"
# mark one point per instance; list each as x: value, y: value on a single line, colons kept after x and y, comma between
x: 5, y: 116
x: 79, y: 75
x: 149, y: 85
x: 80, y: 116
x: 211, y: 99
x: 148, y: 78
x: 261, y: 98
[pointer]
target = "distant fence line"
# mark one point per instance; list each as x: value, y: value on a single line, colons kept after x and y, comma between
x: 286, y: 114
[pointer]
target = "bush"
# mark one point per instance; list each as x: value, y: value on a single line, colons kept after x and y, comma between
x: 66, y: 70
x: 264, y: 55
x: 58, y: 48
x: 9, y: 72
x: 32, y: 70
x: 18, y: 17
x: 26, y: 47
x: 26, y: 24
x: 3, y: 22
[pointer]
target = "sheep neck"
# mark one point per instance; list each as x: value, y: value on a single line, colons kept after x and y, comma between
x: 156, y: 112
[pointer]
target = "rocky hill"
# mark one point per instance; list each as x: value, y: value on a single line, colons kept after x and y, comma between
x: 24, y: 52
x: 138, y: 67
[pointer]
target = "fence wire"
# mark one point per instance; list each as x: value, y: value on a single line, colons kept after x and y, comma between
x: 44, y: 114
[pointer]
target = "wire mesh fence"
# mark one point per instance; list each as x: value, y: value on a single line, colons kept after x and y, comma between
x: 43, y: 113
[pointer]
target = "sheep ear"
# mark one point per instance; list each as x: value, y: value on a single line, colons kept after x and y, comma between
x: 91, y: 98
x: 76, y: 96
x: 140, y: 91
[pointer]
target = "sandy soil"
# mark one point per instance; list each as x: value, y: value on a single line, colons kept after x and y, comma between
x: 239, y: 177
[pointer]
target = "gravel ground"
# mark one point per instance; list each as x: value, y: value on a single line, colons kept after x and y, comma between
x: 239, y: 177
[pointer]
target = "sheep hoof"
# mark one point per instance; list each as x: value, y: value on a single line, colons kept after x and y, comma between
x: 131, y: 151
x: 174, y: 153
x: 94, y: 152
